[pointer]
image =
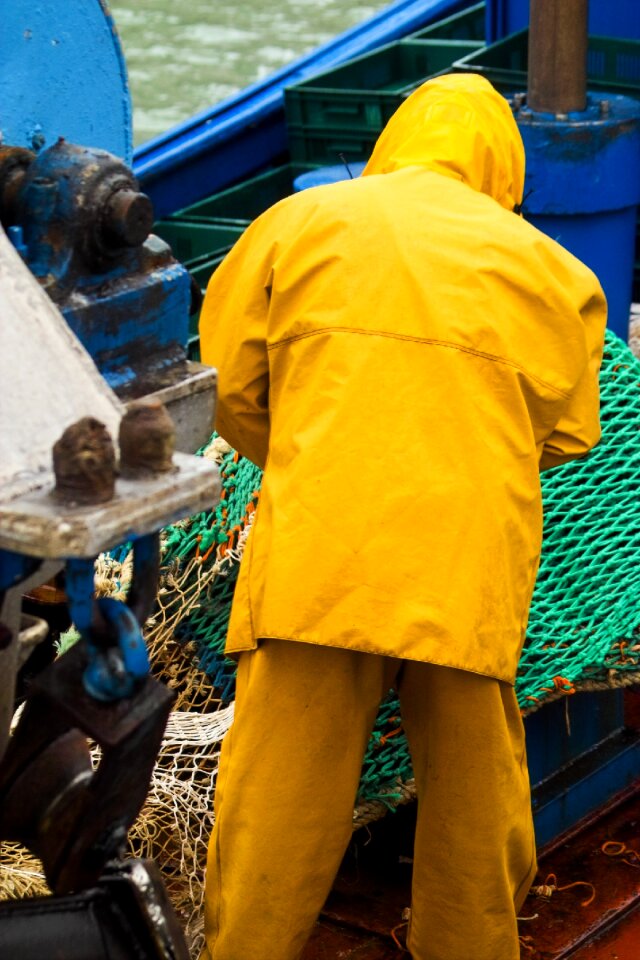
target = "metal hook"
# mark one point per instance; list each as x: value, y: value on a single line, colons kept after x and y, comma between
x: 116, y: 650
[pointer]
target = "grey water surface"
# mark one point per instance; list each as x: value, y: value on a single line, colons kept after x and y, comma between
x: 184, y: 55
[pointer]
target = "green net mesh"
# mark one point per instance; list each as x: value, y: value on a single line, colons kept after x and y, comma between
x: 585, y: 611
x: 583, y: 633
x: 583, y: 628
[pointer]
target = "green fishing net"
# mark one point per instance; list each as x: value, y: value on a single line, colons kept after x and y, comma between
x: 584, y: 621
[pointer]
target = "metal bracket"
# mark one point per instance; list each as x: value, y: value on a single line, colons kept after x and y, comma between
x: 82, y: 823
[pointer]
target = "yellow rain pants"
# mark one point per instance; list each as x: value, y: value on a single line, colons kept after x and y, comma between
x: 286, y: 788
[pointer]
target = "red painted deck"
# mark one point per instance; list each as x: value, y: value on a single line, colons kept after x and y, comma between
x: 372, y: 890
x: 621, y: 943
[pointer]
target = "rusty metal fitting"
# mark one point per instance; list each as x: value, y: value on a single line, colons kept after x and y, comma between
x: 14, y: 163
x: 84, y: 463
x: 128, y: 218
x: 147, y: 439
x: 40, y: 804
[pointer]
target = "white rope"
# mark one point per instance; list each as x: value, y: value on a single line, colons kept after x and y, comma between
x: 186, y: 728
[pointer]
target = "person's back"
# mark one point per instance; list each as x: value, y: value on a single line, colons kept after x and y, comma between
x: 421, y: 344
x: 403, y: 354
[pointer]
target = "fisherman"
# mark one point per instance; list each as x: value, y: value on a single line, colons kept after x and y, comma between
x: 402, y: 353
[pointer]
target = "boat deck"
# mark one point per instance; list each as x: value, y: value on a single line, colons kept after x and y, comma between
x: 365, y: 908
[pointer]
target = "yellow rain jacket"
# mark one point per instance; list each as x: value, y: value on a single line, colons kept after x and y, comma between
x: 402, y: 354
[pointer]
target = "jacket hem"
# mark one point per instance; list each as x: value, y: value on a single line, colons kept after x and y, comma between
x: 235, y: 649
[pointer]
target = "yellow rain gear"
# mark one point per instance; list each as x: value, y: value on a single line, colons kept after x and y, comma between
x: 288, y: 775
x: 403, y: 354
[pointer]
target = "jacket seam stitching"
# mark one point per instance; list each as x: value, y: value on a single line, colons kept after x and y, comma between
x: 429, y: 341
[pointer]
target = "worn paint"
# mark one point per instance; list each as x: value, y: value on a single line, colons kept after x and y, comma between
x: 126, y: 301
x: 569, y: 156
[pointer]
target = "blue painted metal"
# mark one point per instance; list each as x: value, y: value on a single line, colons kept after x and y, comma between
x: 566, y: 729
x: 14, y: 568
x: 62, y: 74
x: 579, y: 753
x: 16, y: 236
x: 244, y: 133
x: 141, y: 331
x: 591, y: 781
x: 144, y: 581
x: 606, y: 19
x: 110, y: 677
x: 128, y: 304
x: 79, y: 588
x: 117, y: 662
x: 583, y: 186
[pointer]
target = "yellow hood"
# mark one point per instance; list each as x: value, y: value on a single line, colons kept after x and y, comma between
x: 460, y: 126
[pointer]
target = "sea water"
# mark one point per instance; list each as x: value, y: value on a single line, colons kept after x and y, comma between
x: 183, y: 57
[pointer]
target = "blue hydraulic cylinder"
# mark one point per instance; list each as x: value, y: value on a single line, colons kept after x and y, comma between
x: 582, y: 188
x: 15, y: 567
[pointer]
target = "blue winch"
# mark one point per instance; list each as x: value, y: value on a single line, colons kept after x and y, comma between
x: 94, y: 334
x: 75, y: 213
x: 82, y: 227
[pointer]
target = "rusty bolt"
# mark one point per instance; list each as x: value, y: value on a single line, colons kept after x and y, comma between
x: 84, y: 463
x: 147, y: 439
x: 128, y: 218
